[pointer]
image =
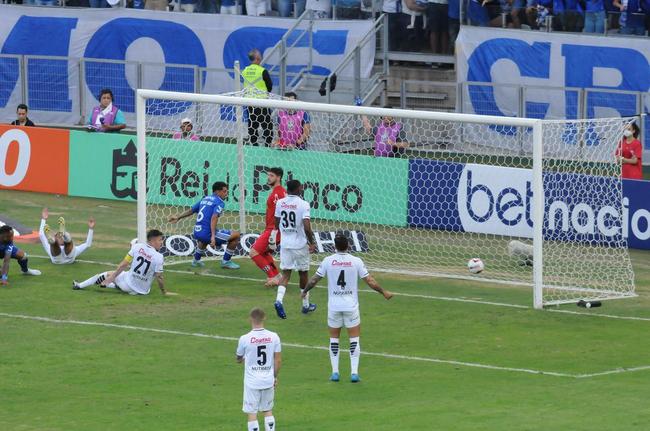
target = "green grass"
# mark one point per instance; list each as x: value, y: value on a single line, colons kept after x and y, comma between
x: 56, y: 376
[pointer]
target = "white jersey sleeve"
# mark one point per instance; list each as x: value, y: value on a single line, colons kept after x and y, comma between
x: 145, y: 264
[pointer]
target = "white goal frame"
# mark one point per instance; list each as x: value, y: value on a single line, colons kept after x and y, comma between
x: 536, y: 125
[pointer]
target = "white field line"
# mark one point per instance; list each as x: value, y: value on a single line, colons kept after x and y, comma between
x: 407, y: 295
x: 308, y: 347
x: 299, y: 346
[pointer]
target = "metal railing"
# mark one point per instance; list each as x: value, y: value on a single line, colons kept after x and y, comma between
x: 379, y: 28
x: 284, y: 47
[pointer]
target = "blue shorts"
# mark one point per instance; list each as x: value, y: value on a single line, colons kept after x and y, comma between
x: 11, y: 249
x: 221, y: 236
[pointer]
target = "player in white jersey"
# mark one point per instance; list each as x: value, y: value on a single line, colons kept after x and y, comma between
x: 60, y: 247
x: 296, y: 242
x: 261, y: 353
x: 343, y: 272
x: 145, y: 263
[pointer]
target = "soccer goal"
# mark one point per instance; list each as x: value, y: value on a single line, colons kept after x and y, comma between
x: 540, y: 202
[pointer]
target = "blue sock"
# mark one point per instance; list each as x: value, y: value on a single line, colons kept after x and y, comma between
x: 227, y: 255
x: 23, y: 264
x: 197, y: 256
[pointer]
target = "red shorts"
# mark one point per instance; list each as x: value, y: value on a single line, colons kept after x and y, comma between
x: 261, y: 245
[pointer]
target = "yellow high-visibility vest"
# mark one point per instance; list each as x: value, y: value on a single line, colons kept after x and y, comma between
x: 254, y: 85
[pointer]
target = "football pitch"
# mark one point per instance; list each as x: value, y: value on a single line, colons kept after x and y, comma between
x: 441, y: 355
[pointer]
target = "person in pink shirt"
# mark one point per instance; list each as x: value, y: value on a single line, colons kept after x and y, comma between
x: 629, y: 153
x: 186, y: 131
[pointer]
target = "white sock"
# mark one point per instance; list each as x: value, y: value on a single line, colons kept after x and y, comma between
x: 281, y: 290
x: 254, y: 426
x: 95, y: 279
x: 334, y: 354
x: 305, y: 300
x: 355, y: 353
x: 269, y: 423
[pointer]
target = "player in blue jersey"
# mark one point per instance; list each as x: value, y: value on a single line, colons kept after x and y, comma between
x: 208, y: 210
x: 9, y: 251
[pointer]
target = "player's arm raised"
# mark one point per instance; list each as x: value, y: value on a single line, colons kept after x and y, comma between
x: 372, y: 283
x: 311, y: 284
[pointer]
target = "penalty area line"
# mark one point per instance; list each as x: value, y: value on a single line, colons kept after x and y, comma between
x: 294, y: 345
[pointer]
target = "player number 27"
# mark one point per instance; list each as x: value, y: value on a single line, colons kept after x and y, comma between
x: 141, y: 262
x: 261, y: 355
x: 288, y: 219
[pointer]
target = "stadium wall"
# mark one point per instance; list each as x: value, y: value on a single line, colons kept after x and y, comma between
x: 124, y: 49
x: 548, y: 68
x: 471, y: 198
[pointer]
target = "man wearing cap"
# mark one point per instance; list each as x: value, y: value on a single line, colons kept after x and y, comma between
x: 257, y: 83
x: 186, y: 131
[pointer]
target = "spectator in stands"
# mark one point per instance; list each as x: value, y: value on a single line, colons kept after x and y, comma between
x: 629, y: 153
x: 207, y: 6
x: 415, y: 25
x: 478, y: 13
x: 437, y: 23
x: 645, y: 5
x: 184, y: 5
x: 348, y: 9
x: 186, y: 131
x: 106, y: 117
x: 632, y: 19
x: 321, y: 8
x: 21, y: 117
x: 293, y: 127
x: 371, y: 8
x: 156, y: 4
x: 453, y: 13
x: 390, y: 138
x: 256, y: 7
x: 257, y: 83
x: 594, y: 16
x: 98, y: 3
x: 229, y: 7
x: 568, y: 15
x: 393, y: 10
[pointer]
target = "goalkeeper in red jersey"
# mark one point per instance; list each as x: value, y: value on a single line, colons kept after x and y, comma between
x: 262, y: 250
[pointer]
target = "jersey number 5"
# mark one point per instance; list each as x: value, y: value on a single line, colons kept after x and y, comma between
x: 261, y: 355
x: 141, y: 262
x: 288, y: 219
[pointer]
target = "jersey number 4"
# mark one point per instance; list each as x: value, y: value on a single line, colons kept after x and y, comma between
x: 261, y: 355
x: 141, y: 262
x: 341, y: 280
x: 288, y: 219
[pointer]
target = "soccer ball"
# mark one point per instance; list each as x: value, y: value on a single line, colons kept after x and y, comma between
x: 475, y: 265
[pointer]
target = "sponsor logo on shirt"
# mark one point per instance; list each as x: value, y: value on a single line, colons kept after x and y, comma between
x: 288, y: 206
x: 142, y: 252
x: 341, y: 263
x: 265, y: 340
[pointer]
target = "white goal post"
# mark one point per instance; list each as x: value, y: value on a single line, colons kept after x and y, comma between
x: 560, y: 177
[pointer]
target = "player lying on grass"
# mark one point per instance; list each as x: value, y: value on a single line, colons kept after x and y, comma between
x: 208, y: 210
x: 9, y: 251
x: 298, y: 241
x: 343, y: 272
x: 260, y: 352
x: 60, y: 247
x: 145, y: 263
x: 262, y: 250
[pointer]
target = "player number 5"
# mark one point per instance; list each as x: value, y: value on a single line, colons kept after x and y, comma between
x: 261, y: 355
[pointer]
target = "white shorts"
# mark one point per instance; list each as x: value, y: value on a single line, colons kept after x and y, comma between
x: 258, y: 400
x: 122, y: 283
x: 256, y: 7
x: 338, y: 319
x: 295, y: 259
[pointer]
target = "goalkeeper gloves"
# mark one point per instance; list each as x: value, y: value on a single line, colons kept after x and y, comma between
x: 272, y: 245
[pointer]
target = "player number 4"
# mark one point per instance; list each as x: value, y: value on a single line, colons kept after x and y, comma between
x: 341, y: 280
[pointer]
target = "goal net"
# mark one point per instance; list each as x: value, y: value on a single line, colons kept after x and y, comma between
x: 416, y: 192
